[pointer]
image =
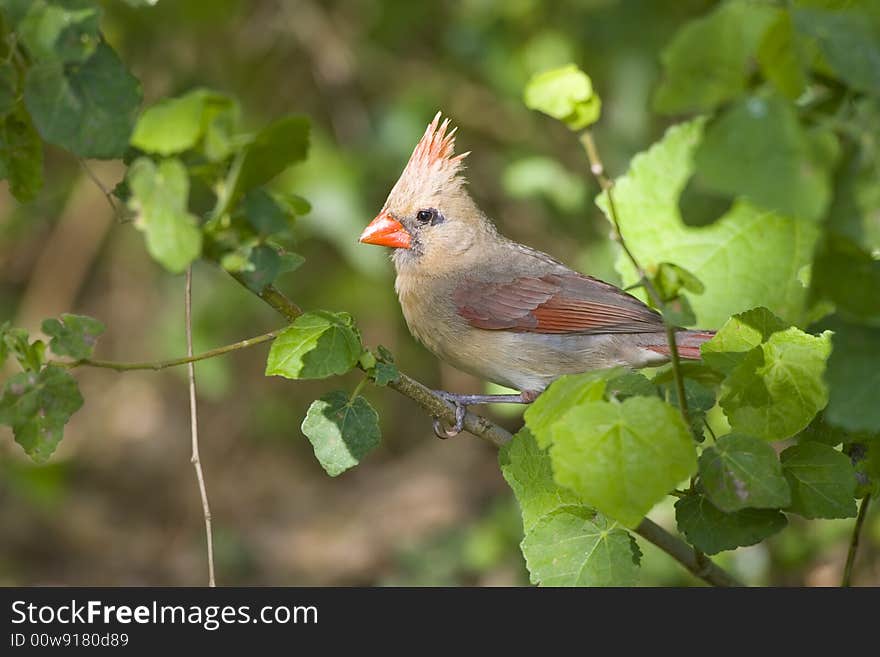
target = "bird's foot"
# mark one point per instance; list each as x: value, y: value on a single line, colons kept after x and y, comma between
x: 455, y: 429
x: 461, y: 403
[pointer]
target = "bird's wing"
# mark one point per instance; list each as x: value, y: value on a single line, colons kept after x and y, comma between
x: 563, y: 302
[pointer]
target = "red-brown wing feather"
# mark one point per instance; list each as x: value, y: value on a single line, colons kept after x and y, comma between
x: 554, y: 303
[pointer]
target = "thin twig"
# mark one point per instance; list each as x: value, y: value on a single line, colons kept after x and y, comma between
x: 174, y: 362
x: 194, y: 424
x: 854, y: 542
x: 487, y: 430
x: 597, y: 168
x: 117, y: 213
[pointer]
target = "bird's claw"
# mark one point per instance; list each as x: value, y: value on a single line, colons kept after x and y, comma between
x: 455, y: 429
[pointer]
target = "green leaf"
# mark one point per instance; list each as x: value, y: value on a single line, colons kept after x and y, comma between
x: 8, y: 87
x: 711, y: 530
x: 89, y: 108
x: 758, y: 150
x: 574, y: 546
x: 527, y: 469
x: 700, y: 398
x: 819, y: 431
x: 159, y: 199
x: 264, y: 213
x: 175, y: 125
x: 853, y: 378
x: 317, y: 345
x: 342, y: 430
x: 21, y: 155
x: 778, y: 388
x: 264, y: 265
x: 367, y: 360
x: 37, y: 405
x: 622, y: 458
x: 385, y: 373
x: 739, y: 335
x: 741, y: 472
x: 30, y: 355
x: 758, y: 250
x: 15, y: 10
x: 565, y: 544
x: 822, y: 481
x: 841, y: 262
x: 74, y: 335
x: 294, y: 206
x: 850, y: 42
x: 630, y: 384
x: 671, y: 279
x: 782, y: 57
x: 276, y: 147
x: 566, y: 392
x: 566, y: 94
x: 708, y: 61
x: 67, y: 34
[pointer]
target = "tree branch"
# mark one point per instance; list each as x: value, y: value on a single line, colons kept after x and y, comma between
x: 174, y: 362
x: 854, y: 542
x: 481, y: 427
x: 696, y: 562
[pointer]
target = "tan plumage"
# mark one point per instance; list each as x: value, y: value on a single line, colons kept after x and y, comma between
x: 497, y: 309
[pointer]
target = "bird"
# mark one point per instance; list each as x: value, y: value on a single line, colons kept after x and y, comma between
x: 492, y: 307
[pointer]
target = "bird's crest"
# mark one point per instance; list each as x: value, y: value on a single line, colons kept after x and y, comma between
x: 432, y: 167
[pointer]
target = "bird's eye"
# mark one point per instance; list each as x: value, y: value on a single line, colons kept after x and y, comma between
x: 430, y: 216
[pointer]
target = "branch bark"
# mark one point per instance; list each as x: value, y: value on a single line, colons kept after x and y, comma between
x: 487, y: 430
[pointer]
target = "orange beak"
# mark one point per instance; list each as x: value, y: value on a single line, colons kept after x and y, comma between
x: 385, y: 230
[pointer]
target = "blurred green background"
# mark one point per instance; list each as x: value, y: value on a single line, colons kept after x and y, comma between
x: 118, y: 504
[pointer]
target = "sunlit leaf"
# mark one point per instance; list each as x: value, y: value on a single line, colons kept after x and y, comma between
x: 574, y: 546
x: 758, y: 250
x: 622, y: 458
x: 566, y: 94
x: 159, y: 199
x: 317, y: 345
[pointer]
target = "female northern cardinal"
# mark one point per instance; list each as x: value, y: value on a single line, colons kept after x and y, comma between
x: 493, y: 307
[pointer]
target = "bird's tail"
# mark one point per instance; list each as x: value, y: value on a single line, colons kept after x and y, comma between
x: 688, y: 343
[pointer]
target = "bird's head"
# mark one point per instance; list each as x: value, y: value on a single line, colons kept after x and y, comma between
x: 429, y: 215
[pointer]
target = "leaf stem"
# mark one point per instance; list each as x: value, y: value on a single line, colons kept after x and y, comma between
x: 597, y: 168
x: 358, y: 388
x: 174, y: 362
x: 487, y: 430
x: 854, y: 542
